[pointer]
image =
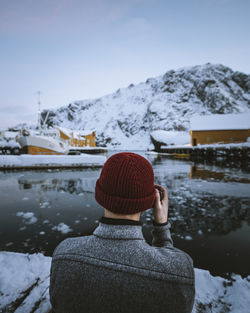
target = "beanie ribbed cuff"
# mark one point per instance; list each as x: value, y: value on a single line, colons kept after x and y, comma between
x: 126, y: 206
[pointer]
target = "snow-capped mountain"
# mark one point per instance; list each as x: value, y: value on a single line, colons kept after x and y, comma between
x: 125, y: 118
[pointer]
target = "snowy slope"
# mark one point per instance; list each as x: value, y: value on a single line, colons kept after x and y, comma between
x: 125, y: 118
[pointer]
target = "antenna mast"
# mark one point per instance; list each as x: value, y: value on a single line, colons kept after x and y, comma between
x: 39, y: 109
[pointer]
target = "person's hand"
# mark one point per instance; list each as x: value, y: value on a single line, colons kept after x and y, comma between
x: 160, y: 209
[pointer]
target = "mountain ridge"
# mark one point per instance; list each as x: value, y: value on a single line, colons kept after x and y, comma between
x: 125, y: 118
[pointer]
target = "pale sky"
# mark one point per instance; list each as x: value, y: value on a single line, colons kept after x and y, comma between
x: 79, y: 49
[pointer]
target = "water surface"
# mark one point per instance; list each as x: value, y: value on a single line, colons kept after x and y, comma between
x: 209, y: 209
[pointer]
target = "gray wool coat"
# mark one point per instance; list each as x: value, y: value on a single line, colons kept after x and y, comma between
x: 116, y: 271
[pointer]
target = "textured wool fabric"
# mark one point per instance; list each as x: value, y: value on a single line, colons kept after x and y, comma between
x: 116, y: 271
x: 126, y: 184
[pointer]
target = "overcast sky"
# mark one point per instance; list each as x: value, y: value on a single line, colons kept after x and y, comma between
x: 79, y: 49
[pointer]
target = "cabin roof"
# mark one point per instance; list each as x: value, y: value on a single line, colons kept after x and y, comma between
x: 66, y: 131
x: 76, y: 133
x: 10, y: 134
x: 220, y: 122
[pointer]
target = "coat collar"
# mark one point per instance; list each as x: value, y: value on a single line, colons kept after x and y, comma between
x: 118, y: 221
x: 127, y: 232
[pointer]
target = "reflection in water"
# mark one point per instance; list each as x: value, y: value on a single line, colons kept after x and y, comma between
x: 199, y: 209
x: 73, y: 185
x: 53, y: 197
x: 208, y: 210
x: 215, y: 174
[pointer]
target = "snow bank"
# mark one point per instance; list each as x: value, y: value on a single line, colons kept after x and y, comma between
x: 171, y: 137
x: 216, y: 294
x: 50, y: 161
x: 24, y: 284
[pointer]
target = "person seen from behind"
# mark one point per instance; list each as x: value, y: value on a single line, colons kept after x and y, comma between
x: 115, y: 270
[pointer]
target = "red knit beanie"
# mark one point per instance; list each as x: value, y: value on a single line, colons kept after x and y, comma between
x: 126, y: 184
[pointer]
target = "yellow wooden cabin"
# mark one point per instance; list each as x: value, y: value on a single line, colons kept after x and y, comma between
x: 78, y: 138
x: 220, y: 128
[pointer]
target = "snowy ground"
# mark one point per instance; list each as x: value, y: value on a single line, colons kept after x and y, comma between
x: 24, y: 287
x: 24, y: 283
x: 50, y: 161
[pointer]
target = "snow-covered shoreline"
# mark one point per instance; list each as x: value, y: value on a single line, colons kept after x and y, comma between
x: 24, y: 287
x: 241, y: 145
x: 50, y: 161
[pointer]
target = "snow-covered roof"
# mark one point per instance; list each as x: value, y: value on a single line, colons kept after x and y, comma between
x: 220, y: 122
x: 76, y: 133
x: 66, y: 131
x: 9, y: 134
x: 171, y: 137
